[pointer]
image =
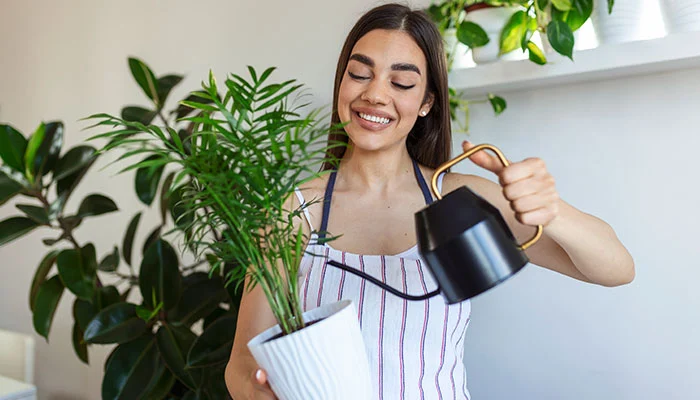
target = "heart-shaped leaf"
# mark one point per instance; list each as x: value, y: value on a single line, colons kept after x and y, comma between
x: 146, y: 182
x: 145, y: 78
x: 128, y: 241
x: 79, y: 346
x: 8, y: 188
x: 498, y: 103
x: 535, y: 54
x: 174, y: 343
x: 117, y: 323
x: 40, y: 276
x: 96, y: 204
x: 38, y: 214
x: 160, y: 279
x: 472, y: 34
x: 110, y: 262
x: 13, y: 145
x: 129, y: 370
x: 578, y: 14
x: 15, y: 227
x: 214, y: 345
x: 47, y: 299
x: 138, y: 114
x: 561, y: 38
x: 513, y: 32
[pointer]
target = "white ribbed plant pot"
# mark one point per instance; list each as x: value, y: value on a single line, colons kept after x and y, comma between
x: 326, y: 360
x: 681, y: 15
x: 625, y: 24
x: 492, y: 20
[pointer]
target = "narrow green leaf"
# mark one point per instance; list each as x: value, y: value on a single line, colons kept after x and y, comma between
x: 79, y: 345
x: 13, y: 145
x: 15, y: 227
x: 75, y: 274
x: 164, y: 196
x: 96, y: 204
x: 40, y: 276
x: 184, y: 110
x: 117, y: 323
x: 128, y: 241
x: 129, y: 370
x: 147, y: 179
x: 38, y: 214
x: 535, y: 54
x: 160, y: 274
x: 145, y: 78
x: 47, y: 299
x: 110, y: 262
x: 513, y: 32
x: 561, y: 38
x: 214, y: 345
x: 8, y: 187
x: 174, y: 343
x: 472, y: 34
x: 138, y: 114
x: 74, y: 160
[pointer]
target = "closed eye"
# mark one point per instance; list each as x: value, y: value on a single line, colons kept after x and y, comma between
x: 357, y: 77
x: 402, y: 87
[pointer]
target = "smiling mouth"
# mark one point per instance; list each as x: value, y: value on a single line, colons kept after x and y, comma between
x: 373, y: 118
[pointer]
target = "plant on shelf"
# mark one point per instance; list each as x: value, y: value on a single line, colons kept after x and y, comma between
x: 157, y: 353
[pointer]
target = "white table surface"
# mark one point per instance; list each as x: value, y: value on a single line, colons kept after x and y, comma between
x: 11, y: 389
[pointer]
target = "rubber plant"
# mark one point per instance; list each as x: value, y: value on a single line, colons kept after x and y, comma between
x: 158, y: 354
x: 247, y: 151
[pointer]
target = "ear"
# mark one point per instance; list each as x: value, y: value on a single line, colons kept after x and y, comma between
x: 427, y: 102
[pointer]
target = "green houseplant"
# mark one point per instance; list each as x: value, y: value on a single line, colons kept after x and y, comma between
x: 158, y: 354
x: 248, y: 150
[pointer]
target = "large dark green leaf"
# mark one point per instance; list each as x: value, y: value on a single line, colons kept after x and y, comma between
x: 47, y: 299
x: 74, y: 160
x: 117, y: 323
x: 578, y: 14
x: 79, y: 345
x: 513, y: 32
x: 46, y: 154
x: 40, y: 276
x: 174, y: 343
x: 83, y: 313
x: 110, y: 262
x: 13, y: 145
x: 129, y: 370
x: 145, y: 78
x: 214, y: 345
x: 138, y: 114
x: 146, y: 182
x: 213, y: 316
x: 77, y: 270
x: 96, y: 204
x: 160, y: 279
x: 166, y: 84
x: 106, y: 296
x: 128, y: 242
x: 561, y: 38
x: 15, y: 227
x: 216, y: 383
x: 8, y: 188
x: 472, y: 34
x: 150, y: 239
x: 38, y: 214
x: 66, y: 185
x: 198, y: 300
x: 163, y: 380
x: 30, y: 154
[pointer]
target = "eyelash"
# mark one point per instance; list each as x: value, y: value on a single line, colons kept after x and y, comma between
x: 362, y: 78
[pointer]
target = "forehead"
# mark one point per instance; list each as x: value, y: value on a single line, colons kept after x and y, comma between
x: 386, y: 47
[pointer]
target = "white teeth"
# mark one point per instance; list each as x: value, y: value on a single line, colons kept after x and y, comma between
x: 374, y: 118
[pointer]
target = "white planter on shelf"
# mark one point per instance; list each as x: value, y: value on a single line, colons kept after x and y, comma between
x: 325, y: 360
x: 625, y: 24
x: 461, y: 58
x: 552, y: 55
x: 492, y: 20
x: 681, y: 15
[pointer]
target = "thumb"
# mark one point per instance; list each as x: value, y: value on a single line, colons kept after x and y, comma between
x: 483, y: 159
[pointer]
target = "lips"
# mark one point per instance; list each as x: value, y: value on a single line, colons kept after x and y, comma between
x: 372, y: 120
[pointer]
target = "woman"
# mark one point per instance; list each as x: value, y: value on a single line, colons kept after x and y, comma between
x: 391, y: 85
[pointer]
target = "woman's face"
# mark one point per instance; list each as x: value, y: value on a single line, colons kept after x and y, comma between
x: 382, y: 90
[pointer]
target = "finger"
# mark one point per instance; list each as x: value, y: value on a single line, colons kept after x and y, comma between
x: 528, y: 186
x: 542, y: 216
x: 530, y: 167
x: 262, y: 386
x: 533, y: 202
x: 483, y: 159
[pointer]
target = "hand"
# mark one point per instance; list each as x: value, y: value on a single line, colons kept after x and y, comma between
x: 527, y: 185
x: 255, y: 388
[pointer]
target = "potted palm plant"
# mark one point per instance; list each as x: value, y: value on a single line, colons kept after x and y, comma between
x: 247, y: 152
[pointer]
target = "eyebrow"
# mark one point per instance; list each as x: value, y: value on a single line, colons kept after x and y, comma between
x: 395, y: 67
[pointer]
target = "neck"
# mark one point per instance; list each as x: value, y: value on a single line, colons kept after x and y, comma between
x: 375, y: 171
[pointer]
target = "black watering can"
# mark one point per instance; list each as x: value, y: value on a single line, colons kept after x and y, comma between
x: 464, y: 240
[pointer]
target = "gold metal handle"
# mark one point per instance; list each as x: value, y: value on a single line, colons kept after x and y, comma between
x: 444, y: 167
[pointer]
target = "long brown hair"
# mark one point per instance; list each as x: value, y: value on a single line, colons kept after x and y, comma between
x: 430, y: 139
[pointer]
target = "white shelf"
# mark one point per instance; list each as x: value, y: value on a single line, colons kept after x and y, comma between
x: 672, y: 52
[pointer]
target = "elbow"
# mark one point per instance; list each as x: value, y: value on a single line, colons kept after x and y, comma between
x: 624, y: 275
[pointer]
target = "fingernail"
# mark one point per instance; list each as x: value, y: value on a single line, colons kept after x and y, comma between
x: 259, y: 375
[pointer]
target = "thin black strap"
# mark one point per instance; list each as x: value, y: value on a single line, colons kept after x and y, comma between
x: 327, y: 205
x: 421, y: 182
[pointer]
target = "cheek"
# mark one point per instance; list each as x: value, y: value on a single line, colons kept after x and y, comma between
x: 344, y: 99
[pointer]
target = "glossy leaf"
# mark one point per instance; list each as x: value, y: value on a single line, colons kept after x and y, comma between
x: 472, y: 34
x: 51, y: 242
x: 561, y: 5
x: 129, y: 370
x: 73, y: 161
x: 117, y: 323
x: 213, y: 317
x: 146, y: 182
x: 163, y: 380
x: 535, y: 54
x: 513, y: 32
x: 8, y: 188
x: 96, y: 204
x: 110, y: 262
x: 48, y: 151
x: 160, y: 278
x: 40, y: 275
x: 65, y: 187
x: 76, y: 271
x: 214, y: 345
x: 106, y: 296
x: 561, y: 38
x: 47, y: 299
x: 145, y: 78
x: 83, y: 313
x: 13, y: 145
x: 216, y: 383
x: 138, y: 114
x: 497, y: 103
x: 150, y: 239
x: 174, y: 343
x: 165, y: 84
x: 579, y: 13
x: 38, y: 214
x: 79, y: 346
x: 15, y: 227
x: 198, y: 301
x: 128, y: 241
x: 32, y: 149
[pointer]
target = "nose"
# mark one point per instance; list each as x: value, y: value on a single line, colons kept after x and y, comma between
x: 375, y: 93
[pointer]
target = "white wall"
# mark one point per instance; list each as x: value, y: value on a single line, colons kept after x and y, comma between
x: 621, y: 150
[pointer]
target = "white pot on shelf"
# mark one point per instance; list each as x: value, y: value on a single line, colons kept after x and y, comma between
x: 681, y: 15
x: 325, y: 360
x: 625, y: 24
x: 461, y: 58
x: 492, y: 20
